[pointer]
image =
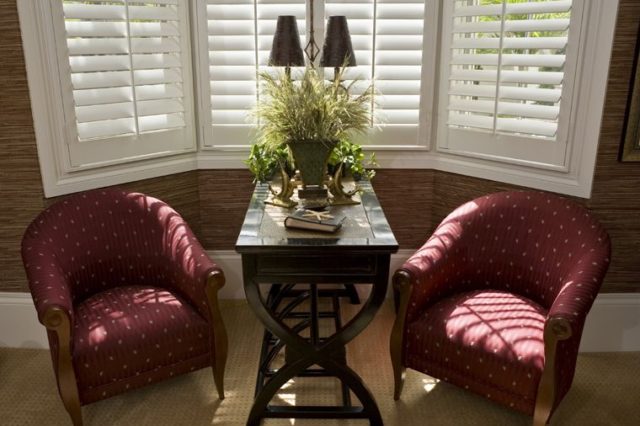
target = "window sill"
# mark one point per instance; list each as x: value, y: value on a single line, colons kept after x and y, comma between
x: 417, y: 157
x: 68, y: 183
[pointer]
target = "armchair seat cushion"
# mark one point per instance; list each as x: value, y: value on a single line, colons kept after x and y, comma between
x: 487, y: 341
x: 134, y: 331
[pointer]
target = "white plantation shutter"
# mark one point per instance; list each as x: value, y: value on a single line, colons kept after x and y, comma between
x: 387, y: 37
x: 128, y: 66
x: 360, y: 18
x: 239, y: 34
x: 507, y: 73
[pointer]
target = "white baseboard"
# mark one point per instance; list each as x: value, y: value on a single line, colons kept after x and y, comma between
x: 19, y: 325
x: 613, y: 325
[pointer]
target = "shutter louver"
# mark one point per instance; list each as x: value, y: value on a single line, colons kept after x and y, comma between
x: 232, y: 60
x: 507, y: 66
x: 240, y: 33
x: 398, y: 60
x: 126, y: 64
x: 387, y: 38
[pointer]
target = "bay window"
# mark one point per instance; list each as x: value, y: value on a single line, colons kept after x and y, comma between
x: 509, y: 90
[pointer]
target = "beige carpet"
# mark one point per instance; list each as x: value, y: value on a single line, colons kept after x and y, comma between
x: 606, y: 390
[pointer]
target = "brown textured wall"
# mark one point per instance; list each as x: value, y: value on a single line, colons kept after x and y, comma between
x: 616, y: 190
x: 406, y: 196
x: 214, y: 201
x: 224, y: 198
x: 20, y: 184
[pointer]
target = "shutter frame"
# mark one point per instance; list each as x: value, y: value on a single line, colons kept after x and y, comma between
x: 543, y: 149
x: 101, y: 88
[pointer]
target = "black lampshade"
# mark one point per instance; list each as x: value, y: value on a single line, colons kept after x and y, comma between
x: 337, y: 44
x: 286, y: 50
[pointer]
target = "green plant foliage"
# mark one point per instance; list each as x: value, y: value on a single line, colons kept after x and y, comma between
x: 264, y: 162
x: 309, y: 109
x: 352, y: 156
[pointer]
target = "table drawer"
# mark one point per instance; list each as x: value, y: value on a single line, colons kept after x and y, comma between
x: 345, y: 264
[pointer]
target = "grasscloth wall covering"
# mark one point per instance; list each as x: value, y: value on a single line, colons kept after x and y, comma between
x: 415, y: 201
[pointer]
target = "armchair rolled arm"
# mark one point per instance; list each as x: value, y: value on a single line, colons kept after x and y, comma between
x: 430, y: 270
x: 563, y: 327
x: 192, y: 268
x: 579, y: 290
x: 49, y: 287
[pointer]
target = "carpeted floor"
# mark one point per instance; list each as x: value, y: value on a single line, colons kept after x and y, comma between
x: 606, y: 390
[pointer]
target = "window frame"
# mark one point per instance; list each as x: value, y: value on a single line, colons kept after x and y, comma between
x: 134, y: 147
x: 575, y: 175
x: 54, y: 125
x: 574, y: 178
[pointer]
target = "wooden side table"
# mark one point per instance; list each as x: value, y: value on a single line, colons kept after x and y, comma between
x: 358, y: 253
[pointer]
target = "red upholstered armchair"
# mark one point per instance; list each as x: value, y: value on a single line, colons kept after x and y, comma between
x: 126, y: 292
x: 496, y: 299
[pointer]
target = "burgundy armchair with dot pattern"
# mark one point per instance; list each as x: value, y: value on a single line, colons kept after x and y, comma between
x: 126, y: 292
x: 496, y: 300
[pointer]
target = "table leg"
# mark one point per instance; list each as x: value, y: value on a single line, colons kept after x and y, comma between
x: 308, y: 355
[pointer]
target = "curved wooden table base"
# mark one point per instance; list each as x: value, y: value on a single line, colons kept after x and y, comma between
x: 308, y: 355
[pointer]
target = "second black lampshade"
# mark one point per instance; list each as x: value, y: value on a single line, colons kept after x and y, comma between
x: 337, y: 44
x: 286, y: 50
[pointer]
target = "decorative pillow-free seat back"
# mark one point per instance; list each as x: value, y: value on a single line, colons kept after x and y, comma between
x: 107, y: 238
x: 528, y: 243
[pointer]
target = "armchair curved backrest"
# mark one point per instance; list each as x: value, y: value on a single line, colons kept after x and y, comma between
x: 529, y: 243
x: 106, y: 238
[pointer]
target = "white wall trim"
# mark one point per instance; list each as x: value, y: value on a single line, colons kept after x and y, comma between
x: 613, y: 325
x: 19, y: 325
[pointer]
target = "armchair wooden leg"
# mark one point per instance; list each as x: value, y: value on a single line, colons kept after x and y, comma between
x: 402, y: 286
x: 218, y: 376
x: 220, y: 340
x: 57, y: 320
x: 73, y: 408
x: 398, y: 380
x: 541, y: 416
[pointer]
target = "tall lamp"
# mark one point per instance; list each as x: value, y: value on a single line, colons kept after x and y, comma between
x: 286, y: 50
x: 337, y: 50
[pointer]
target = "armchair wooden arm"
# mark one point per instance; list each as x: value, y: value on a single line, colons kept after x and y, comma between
x: 555, y: 330
x: 220, y: 342
x: 402, y: 287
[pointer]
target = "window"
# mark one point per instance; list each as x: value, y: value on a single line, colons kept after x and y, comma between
x: 508, y: 73
x: 387, y: 37
x: 237, y: 36
x: 508, y: 90
x: 388, y: 42
x: 127, y: 66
